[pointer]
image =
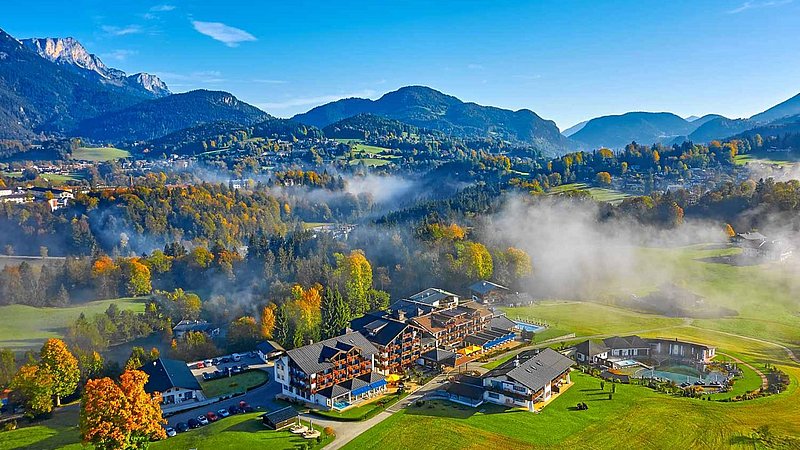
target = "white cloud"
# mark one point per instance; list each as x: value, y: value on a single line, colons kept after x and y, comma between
x: 228, y: 35
x: 121, y: 31
x: 756, y: 5
x: 162, y: 8
x: 119, y: 54
x: 319, y: 100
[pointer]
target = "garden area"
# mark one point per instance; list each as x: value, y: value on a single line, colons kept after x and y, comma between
x: 362, y: 412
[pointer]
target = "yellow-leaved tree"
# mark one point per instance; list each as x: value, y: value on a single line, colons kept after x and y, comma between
x: 120, y: 415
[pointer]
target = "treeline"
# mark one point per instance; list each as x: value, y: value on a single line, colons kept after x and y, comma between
x: 138, y: 219
x: 635, y: 159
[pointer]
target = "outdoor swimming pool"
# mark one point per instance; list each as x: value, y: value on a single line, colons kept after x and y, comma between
x: 529, y: 326
x: 626, y: 363
x: 714, y: 377
x: 340, y: 405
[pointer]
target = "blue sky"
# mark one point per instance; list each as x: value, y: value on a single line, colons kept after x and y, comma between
x: 566, y: 60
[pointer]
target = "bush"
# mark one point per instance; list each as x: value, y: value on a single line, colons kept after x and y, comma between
x: 329, y: 431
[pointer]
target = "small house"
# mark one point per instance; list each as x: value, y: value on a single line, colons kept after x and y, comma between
x: 280, y: 418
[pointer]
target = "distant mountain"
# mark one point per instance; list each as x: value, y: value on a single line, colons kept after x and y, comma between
x: 700, y: 121
x: 692, y: 118
x: 574, y: 129
x: 362, y: 126
x: 428, y: 108
x: 155, y: 118
x: 719, y: 128
x: 644, y: 127
x: 37, y: 95
x: 787, y: 108
x: 70, y: 53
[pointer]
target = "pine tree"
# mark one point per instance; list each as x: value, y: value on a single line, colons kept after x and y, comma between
x: 281, y: 331
x: 335, y: 313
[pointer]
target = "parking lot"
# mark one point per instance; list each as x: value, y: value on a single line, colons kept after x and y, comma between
x: 222, y: 363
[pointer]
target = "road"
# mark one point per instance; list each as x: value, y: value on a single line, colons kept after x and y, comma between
x: 347, y: 431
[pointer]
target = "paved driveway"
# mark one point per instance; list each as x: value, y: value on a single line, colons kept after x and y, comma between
x: 261, y: 398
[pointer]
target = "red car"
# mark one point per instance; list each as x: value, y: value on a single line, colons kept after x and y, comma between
x: 212, y: 416
x: 200, y: 365
x: 245, y: 407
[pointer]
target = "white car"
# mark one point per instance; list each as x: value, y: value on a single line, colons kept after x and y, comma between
x: 170, y: 431
x: 203, y: 420
x: 237, y: 357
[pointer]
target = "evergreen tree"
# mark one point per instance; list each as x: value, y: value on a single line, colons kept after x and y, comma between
x: 335, y: 313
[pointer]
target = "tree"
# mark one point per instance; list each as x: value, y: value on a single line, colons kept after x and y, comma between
x: 268, y: 321
x: 194, y: 345
x: 243, y: 334
x: 8, y: 367
x: 36, y: 386
x: 281, y: 331
x: 120, y: 416
x: 729, y: 230
x: 57, y: 360
x: 603, y: 178
x: 335, y: 313
x: 355, y: 274
x: 474, y: 261
x: 136, y: 277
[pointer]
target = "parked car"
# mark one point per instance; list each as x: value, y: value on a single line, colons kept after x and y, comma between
x: 200, y: 365
x: 194, y: 423
x: 237, y: 357
x: 202, y: 419
x: 226, y: 359
x: 212, y: 416
x: 233, y: 409
x: 236, y: 369
x: 170, y: 431
x: 182, y: 427
x: 253, y: 355
x: 208, y: 363
x: 245, y: 366
x: 208, y: 376
x: 245, y: 407
x: 217, y: 361
x: 223, y: 413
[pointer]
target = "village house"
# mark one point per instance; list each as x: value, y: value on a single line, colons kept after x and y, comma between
x: 590, y: 352
x: 531, y: 377
x: 269, y: 351
x: 198, y: 326
x: 335, y: 373
x: 173, y: 380
x: 487, y: 292
x: 398, y: 342
x: 627, y: 347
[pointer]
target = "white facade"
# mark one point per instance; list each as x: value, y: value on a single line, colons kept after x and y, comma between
x: 179, y: 395
x: 501, y: 391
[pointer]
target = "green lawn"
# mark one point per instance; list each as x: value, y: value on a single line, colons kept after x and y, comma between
x: 236, y: 432
x: 636, y: 417
x: 597, y: 193
x: 360, y: 412
x: 51, y: 177
x: 767, y: 158
x: 26, y: 327
x: 371, y: 149
x: 370, y: 162
x: 100, y: 153
x: 235, y: 383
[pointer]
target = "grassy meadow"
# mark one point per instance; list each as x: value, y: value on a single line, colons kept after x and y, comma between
x: 235, y: 383
x: 597, y: 193
x: 99, y: 153
x: 26, y: 327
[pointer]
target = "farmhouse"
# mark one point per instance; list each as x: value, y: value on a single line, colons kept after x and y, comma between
x: 173, y: 380
x: 398, y: 343
x: 487, y: 292
x: 334, y: 373
x: 629, y: 346
x: 662, y: 350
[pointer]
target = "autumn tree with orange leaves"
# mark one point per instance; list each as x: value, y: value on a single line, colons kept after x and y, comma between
x: 120, y: 415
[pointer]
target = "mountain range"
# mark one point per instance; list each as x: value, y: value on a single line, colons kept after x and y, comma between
x: 428, y: 108
x: 55, y: 86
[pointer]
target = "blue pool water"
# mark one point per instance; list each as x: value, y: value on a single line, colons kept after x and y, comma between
x: 680, y: 378
x: 529, y: 327
x: 627, y: 363
x: 341, y: 405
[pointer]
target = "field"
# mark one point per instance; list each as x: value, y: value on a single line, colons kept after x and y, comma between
x: 372, y: 156
x: 235, y: 383
x: 242, y: 431
x: 767, y: 158
x: 599, y: 194
x: 26, y: 327
x: 51, y: 177
x: 99, y: 153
